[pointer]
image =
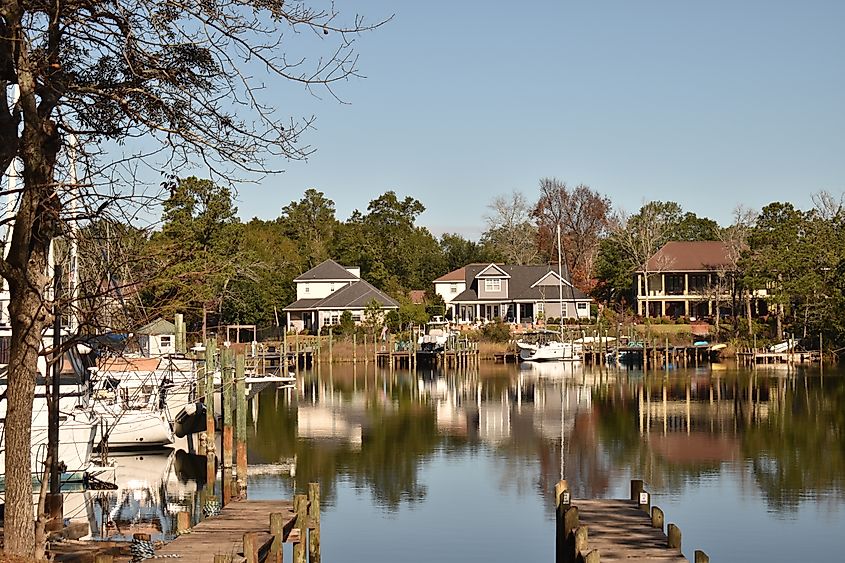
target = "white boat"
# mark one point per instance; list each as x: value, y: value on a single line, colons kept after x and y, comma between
x: 548, y: 350
x: 132, y: 407
x: 436, y: 336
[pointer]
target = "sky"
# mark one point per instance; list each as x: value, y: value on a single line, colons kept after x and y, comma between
x: 711, y: 104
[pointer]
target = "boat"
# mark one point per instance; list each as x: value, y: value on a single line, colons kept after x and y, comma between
x: 132, y: 408
x: 436, y: 336
x: 546, y: 346
x: 77, y: 424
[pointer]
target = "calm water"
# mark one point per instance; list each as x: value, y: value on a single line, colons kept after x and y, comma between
x: 449, y: 466
x: 446, y: 466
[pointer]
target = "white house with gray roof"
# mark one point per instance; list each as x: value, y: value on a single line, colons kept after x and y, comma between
x: 523, y: 294
x: 328, y: 289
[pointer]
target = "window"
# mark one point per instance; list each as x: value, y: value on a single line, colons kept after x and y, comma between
x: 493, y: 285
x: 307, y: 289
x: 331, y: 286
x: 581, y: 306
x: 166, y: 341
x: 541, y: 307
x: 453, y: 288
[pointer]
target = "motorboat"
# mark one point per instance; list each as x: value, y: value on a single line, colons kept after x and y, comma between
x: 546, y: 346
x: 436, y: 336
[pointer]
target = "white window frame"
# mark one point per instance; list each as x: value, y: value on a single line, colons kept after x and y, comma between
x: 493, y: 285
x: 581, y: 305
x: 306, y: 288
x: 453, y: 288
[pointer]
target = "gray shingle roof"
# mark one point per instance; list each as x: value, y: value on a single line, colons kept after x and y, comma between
x: 519, y: 284
x: 356, y: 295
x: 328, y: 270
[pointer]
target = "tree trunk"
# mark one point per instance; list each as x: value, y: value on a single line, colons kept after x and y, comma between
x: 25, y: 267
x: 748, y: 313
x: 779, y: 317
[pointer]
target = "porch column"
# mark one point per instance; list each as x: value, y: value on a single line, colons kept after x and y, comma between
x: 477, y: 311
x: 287, y: 326
x: 662, y: 308
x: 663, y: 286
x: 686, y: 307
x: 686, y: 285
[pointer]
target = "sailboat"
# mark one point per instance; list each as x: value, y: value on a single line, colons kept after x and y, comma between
x: 549, y: 346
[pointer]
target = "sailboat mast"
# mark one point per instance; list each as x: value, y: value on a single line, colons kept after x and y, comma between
x: 560, y: 280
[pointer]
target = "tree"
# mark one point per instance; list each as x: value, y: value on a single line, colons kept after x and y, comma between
x: 583, y: 217
x: 187, y: 80
x: 510, y: 233
x: 458, y: 251
x: 311, y: 223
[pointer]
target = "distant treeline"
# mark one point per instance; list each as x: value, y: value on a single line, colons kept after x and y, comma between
x: 205, y: 262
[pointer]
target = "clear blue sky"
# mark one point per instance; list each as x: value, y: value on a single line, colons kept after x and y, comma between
x: 710, y: 104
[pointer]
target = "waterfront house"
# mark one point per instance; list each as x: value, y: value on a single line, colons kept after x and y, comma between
x: 328, y: 289
x: 685, y: 278
x: 523, y: 294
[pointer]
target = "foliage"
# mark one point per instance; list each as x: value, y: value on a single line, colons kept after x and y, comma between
x: 496, y: 331
x: 510, y: 234
x: 310, y: 223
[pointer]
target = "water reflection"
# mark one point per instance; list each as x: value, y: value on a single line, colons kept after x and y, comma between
x: 777, y: 438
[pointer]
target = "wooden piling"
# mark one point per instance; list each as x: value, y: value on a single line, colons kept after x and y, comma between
x: 314, y: 522
x: 208, y: 399
x: 223, y: 558
x: 240, y: 422
x: 593, y: 557
x: 657, y: 518
x: 251, y: 547
x: 674, y: 537
x: 636, y: 488
x: 300, y: 507
x: 183, y: 522
x: 277, y: 524
x: 581, y: 545
x: 701, y: 557
x: 227, y: 391
x: 104, y: 558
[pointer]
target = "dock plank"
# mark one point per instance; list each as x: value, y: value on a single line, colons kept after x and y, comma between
x: 223, y: 534
x: 622, y: 532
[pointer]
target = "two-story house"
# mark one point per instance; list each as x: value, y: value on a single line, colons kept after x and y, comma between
x: 328, y: 289
x: 685, y: 278
x: 525, y: 294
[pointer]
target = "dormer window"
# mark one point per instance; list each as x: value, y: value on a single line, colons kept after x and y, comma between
x: 493, y: 285
x: 307, y: 289
x: 453, y: 288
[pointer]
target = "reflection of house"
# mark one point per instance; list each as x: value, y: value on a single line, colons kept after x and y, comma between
x: 320, y: 422
x: 685, y: 278
x: 512, y: 293
x: 326, y: 291
x: 157, y: 338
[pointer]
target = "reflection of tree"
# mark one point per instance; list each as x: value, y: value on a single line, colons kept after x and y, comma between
x: 398, y: 434
x: 798, y: 452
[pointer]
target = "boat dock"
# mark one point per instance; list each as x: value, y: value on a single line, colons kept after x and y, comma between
x: 610, y: 530
x: 756, y: 357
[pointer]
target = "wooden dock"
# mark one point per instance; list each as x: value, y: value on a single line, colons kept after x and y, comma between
x: 611, y: 530
x: 224, y: 534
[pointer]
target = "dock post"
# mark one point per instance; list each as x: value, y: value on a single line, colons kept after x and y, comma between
x: 331, y: 358
x: 296, y: 355
x: 240, y: 423
x: 581, y: 542
x: 251, y: 547
x: 701, y: 557
x: 104, y: 558
x: 183, y: 522
x: 657, y: 518
x: 210, y: 465
x: 226, y: 393
x: 674, y: 537
x: 314, y: 522
x: 277, y: 524
x: 636, y: 488
x: 223, y: 558
x: 300, y: 507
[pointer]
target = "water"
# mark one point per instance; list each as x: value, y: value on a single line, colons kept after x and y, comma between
x: 450, y: 466
x: 446, y: 466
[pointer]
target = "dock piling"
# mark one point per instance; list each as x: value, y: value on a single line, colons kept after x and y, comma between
x: 674, y: 537
x: 251, y: 547
x: 183, y: 522
x: 226, y: 393
x: 701, y: 557
x: 300, y: 507
x: 314, y: 523
x: 657, y: 518
x: 277, y: 523
x: 240, y: 423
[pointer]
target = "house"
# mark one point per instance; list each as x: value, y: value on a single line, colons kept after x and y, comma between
x: 685, y: 278
x: 523, y: 294
x: 157, y: 338
x: 328, y: 289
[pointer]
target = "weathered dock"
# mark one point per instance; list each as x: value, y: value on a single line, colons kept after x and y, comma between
x: 610, y: 530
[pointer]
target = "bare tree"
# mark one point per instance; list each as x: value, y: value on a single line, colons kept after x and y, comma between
x: 172, y: 84
x: 735, y: 238
x: 583, y: 216
x: 509, y: 229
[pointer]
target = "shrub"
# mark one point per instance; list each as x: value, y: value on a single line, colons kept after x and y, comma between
x: 497, y: 331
